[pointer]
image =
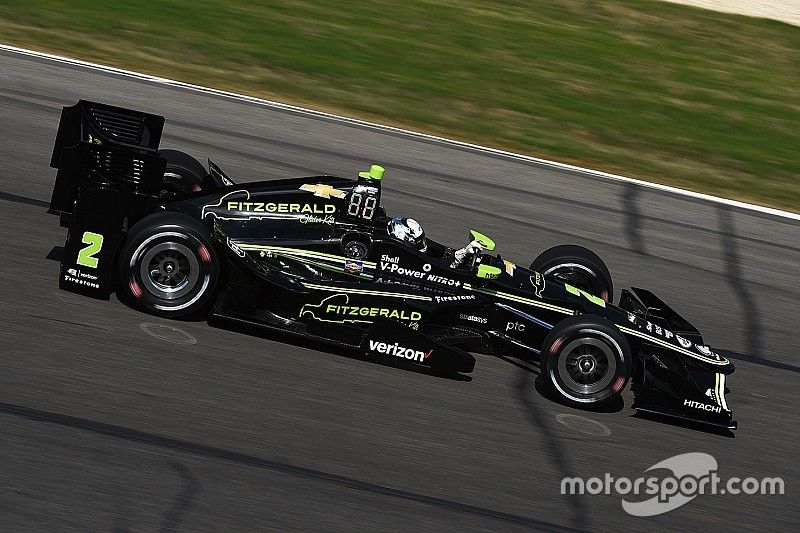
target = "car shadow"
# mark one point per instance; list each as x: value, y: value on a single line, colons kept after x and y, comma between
x: 614, y: 406
x: 300, y: 341
x: 55, y: 254
x: 685, y: 424
x: 525, y: 363
x: 533, y: 367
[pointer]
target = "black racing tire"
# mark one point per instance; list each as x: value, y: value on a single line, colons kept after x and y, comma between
x: 169, y: 267
x: 586, y: 361
x: 183, y: 174
x: 578, y: 266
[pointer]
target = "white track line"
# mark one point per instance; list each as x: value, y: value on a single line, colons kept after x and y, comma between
x: 394, y: 130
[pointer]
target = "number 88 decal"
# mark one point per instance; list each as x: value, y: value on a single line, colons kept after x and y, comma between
x: 362, y: 206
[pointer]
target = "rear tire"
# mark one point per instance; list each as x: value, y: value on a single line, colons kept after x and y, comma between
x: 578, y: 266
x: 183, y: 174
x: 169, y: 266
x: 586, y: 361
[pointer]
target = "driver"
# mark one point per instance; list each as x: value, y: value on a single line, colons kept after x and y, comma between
x: 410, y: 231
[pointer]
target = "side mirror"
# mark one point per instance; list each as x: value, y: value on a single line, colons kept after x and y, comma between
x: 218, y: 174
x: 483, y: 240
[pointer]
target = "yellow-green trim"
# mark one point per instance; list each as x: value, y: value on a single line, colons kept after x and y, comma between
x: 333, y: 268
x: 488, y: 272
x: 485, y: 241
x: 679, y: 349
x: 347, y: 290
x: 301, y: 252
x: 521, y: 299
x: 721, y: 391
x: 591, y: 297
x: 375, y: 173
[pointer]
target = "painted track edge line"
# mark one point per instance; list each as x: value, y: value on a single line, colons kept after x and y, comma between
x: 408, y: 133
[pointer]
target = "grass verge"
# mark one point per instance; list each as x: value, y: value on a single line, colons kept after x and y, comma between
x: 649, y: 89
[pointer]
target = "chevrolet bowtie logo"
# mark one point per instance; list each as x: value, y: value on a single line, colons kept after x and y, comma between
x: 323, y: 191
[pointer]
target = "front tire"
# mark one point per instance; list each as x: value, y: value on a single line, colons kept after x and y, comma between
x: 586, y: 361
x: 168, y: 266
x: 578, y: 266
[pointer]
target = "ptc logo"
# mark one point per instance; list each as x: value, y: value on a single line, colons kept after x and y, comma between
x: 515, y: 326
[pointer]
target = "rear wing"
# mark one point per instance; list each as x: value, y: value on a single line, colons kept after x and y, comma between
x: 102, y: 144
x: 109, y: 176
x: 104, y: 124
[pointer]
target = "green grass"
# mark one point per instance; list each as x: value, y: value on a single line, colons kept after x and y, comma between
x: 645, y: 88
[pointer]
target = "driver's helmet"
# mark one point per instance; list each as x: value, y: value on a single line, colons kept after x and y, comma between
x: 408, y: 230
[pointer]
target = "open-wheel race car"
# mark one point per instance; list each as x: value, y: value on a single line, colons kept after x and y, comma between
x: 319, y: 257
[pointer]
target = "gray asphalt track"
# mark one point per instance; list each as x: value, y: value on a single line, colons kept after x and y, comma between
x: 105, y: 426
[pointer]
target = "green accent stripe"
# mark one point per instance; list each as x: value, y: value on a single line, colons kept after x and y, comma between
x: 521, y: 299
x: 336, y: 269
x: 665, y: 344
x: 348, y: 290
x: 296, y: 251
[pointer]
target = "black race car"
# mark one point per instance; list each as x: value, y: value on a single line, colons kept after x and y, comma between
x: 312, y: 256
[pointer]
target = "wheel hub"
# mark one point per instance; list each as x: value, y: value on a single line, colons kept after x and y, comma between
x: 586, y: 365
x: 169, y: 270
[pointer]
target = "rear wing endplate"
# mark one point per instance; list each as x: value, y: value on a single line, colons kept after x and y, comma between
x: 109, y: 174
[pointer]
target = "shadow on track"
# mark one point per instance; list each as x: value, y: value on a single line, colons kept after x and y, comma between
x: 615, y: 406
x: 685, y: 424
x: 15, y: 198
x: 751, y: 316
x: 734, y: 356
x: 553, y: 447
x: 293, y: 339
x: 213, y: 452
x: 313, y: 344
x: 530, y: 370
x: 633, y: 217
x: 183, y: 501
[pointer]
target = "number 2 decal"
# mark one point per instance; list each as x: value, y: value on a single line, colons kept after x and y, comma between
x: 86, y: 256
x: 592, y: 298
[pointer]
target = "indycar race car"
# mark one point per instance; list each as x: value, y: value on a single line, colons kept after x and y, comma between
x: 312, y: 256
